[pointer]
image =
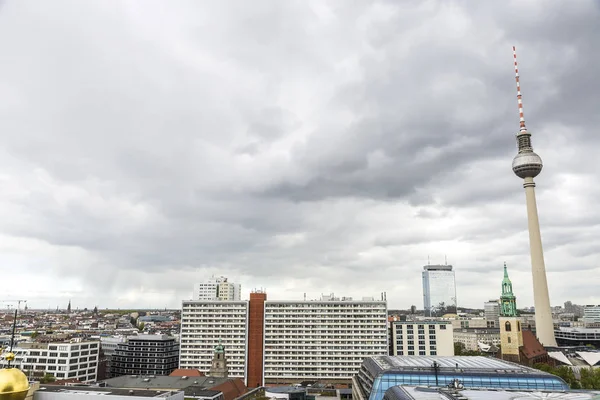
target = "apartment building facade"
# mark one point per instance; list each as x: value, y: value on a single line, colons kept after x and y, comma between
x: 321, y: 340
x: 72, y: 360
x: 145, y: 355
x: 204, y: 324
x: 285, y: 341
x: 422, y: 338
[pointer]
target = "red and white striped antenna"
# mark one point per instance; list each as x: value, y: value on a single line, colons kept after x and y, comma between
x: 519, y: 96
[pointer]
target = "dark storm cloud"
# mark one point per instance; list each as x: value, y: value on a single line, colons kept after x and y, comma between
x: 297, y: 146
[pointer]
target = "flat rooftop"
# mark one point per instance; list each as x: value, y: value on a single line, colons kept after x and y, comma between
x: 164, y: 382
x: 465, y: 363
x: 103, y: 391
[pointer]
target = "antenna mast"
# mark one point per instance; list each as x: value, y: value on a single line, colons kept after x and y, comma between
x: 519, y: 96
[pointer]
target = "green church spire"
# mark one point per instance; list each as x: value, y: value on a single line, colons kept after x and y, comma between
x: 508, y: 301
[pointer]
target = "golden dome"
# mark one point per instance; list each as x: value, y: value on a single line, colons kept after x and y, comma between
x: 13, y: 384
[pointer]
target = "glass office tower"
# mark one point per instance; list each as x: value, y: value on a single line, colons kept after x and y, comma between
x: 439, y: 290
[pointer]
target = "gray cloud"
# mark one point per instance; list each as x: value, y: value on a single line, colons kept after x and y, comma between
x: 302, y: 147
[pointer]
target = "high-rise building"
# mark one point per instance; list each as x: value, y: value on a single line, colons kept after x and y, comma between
x: 322, y: 340
x: 491, y: 311
x: 439, y: 290
x: 422, y: 338
x: 284, y: 341
x: 63, y: 360
x: 206, y: 323
x: 217, y: 288
x: 527, y: 165
x: 145, y: 355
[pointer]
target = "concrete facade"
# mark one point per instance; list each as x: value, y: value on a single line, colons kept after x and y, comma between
x: 491, y: 310
x: 423, y: 338
x: 541, y: 298
x: 323, y: 340
x: 72, y: 360
x: 204, y: 324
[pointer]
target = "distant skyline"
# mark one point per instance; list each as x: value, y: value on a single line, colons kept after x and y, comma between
x: 298, y: 146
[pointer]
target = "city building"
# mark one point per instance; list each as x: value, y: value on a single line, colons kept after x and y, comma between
x: 61, y: 392
x: 68, y: 360
x: 459, y: 391
x: 217, y: 288
x: 473, y: 338
x: 423, y: 338
x: 591, y: 314
x: 378, y: 374
x: 527, y: 165
x: 574, y: 309
x: 108, y: 346
x: 572, y: 336
x: 204, y: 324
x: 491, y: 312
x: 439, y: 290
x: 284, y: 341
x: 469, y: 322
x: 145, y: 355
x: 324, y: 340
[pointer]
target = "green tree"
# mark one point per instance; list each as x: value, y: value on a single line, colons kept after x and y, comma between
x: 590, y: 378
x: 458, y: 348
x: 141, y: 326
x: 566, y: 374
x: 47, y: 378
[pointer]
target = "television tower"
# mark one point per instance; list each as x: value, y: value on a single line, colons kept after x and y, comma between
x: 527, y: 165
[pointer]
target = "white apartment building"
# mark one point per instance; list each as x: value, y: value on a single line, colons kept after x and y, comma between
x: 217, y: 288
x: 73, y: 360
x: 471, y: 337
x: 422, y: 338
x: 321, y: 340
x: 591, y: 314
x: 203, y: 324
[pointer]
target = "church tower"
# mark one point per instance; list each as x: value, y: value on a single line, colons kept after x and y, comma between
x: 219, y: 368
x: 511, y: 336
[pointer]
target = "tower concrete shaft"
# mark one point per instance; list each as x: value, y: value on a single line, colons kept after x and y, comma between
x: 544, y: 326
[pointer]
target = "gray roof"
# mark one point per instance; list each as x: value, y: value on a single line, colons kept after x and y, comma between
x: 164, y: 382
x: 199, y: 391
x: 102, y: 391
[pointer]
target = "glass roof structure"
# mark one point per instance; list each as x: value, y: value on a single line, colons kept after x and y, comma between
x: 377, y: 374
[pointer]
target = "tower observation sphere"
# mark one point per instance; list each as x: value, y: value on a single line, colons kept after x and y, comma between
x: 527, y: 164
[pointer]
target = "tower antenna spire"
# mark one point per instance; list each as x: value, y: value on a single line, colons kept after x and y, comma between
x: 519, y: 96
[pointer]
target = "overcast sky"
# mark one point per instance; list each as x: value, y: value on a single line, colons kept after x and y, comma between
x: 296, y: 146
